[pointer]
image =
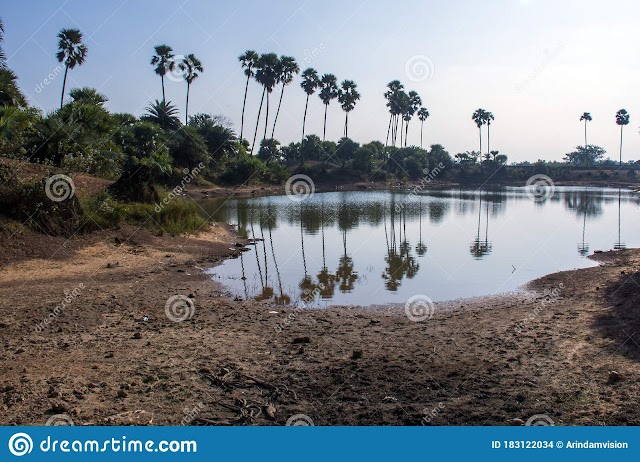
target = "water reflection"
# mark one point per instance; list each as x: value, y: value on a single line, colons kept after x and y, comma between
x: 379, y: 247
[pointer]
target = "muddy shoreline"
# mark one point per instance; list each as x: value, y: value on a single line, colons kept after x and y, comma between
x: 112, y: 356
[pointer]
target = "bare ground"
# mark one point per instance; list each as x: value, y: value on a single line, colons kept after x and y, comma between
x: 110, y: 355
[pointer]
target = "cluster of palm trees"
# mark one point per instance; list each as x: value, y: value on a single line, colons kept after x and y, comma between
x: 482, y: 117
x: 402, y: 107
x: 269, y: 71
x: 189, y: 67
x: 622, y: 119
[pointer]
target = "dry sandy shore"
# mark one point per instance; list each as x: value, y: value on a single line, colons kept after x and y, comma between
x: 110, y: 355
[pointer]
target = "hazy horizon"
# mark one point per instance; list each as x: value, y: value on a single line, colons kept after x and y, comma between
x: 536, y: 73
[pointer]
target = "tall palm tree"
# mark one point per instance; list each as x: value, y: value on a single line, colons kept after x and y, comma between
x: 164, y: 62
x: 71, y: 51
x: 423, y: 114
x: 191, y: 68
x: 348, y: 96
x: 622, y: 119
x: 328, y: 91
x: 249, y: 60
x: 3, y: 56
x: 480, y: 119
x: 413, y: 105
x: 310, y: 82
x: 488, y: 116
x: 587, y: 118
x: 267, y: 76
x: 287, y: 68
x: 393, y: 96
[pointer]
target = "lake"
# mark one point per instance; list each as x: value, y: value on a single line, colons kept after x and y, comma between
x: 380, y: 247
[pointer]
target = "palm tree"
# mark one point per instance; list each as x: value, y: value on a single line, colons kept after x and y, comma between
x: 488, y: 116
x: 310, y: 81
x: 267, y: 76
x: 393, y: 95
x: 480, y: 119
x: 163, y: 60
x: 423, y: 114
x: 249, y: 60
x: 622, y: 119
x: 414, y: 103
x: 191, y: 68
x: 328, y: 91
x: 3, y: 56
x: 348, y: 96
x: 287, y: 68
x: 587, y: 118
x: 71, y: 51
x: 10, y: 94
x: 164, y: 114
x: 88, y: 95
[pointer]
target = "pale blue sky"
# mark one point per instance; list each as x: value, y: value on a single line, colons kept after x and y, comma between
x: 536, y: 64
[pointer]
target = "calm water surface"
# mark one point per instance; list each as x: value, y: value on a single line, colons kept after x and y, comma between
x: 369, y: 248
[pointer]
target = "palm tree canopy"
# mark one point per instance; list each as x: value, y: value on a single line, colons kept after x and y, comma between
x: 249, y: 60
x: 10, y: 94
x: 267, y: 70
x: 488, y: 117
x: 164, y: 114
x: 88, y: 95
x: 287, y: 68
x: 191, y: 67
x: 348, y: 95
x: 586, y: 116
x: 71, y: 50
x: 310, y: 81
x: 423, y: 114
x: 479, y: 117
x: 3, y: 56
x: 328, y: 88
x: 163, y: 59
x: 622, y: 117
x: 395, y: 96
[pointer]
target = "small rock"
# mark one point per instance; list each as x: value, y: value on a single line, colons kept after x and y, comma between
x: 270, y: 411
x: 614, y: 376
x: 516, y: 422
x: 357, y: 354
x: 597, y: 251
x: 298, y: 340
x: 137, y: 335
x: 122, y: 394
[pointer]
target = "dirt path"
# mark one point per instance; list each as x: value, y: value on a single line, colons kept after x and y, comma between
x: 110, y: 354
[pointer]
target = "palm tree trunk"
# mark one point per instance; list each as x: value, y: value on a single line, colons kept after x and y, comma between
x: 488, y: 138
x: 244, y: 105
x: 346, y: 125
x: 255, y: 134
x: 186, y: 111
x: 64, y: 84
x: 621, y: 144
x: 324, y: 133
x: 304, y: 119
x: 421, y: 127
x: 277, y: 112
x: 585, y: 133
x: 481, y: 167
x: 401, y: 130
x: 406, y: 133
x: 266, y: 119
x: 162, y: 80
x: 386, y: 142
